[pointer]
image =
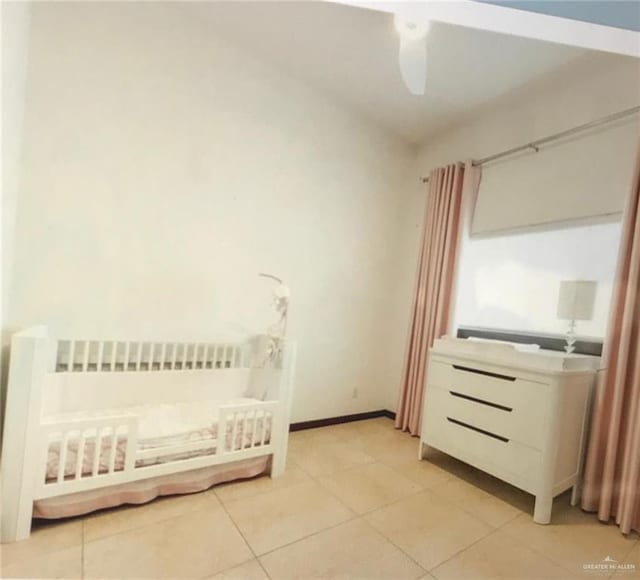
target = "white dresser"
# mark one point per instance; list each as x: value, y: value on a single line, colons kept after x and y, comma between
x: 519, y: 415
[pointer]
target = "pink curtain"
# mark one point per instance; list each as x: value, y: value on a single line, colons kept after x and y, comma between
x: 612, y: 474
x: 435, y: 280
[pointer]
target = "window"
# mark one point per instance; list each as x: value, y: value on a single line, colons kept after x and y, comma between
x: 512, y: 281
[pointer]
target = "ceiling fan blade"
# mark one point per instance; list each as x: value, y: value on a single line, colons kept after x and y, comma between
x: 412, y: 58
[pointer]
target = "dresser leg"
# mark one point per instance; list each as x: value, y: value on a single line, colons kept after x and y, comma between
x: 422, y: 450
x: 542, y: 510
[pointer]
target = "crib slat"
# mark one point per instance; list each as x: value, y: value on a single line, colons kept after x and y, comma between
x: 100, y: 355
x: 42, y: 478
x: 114, y: 353
x: 97, y: 451
x: 194, y: 360
x: 243, y: 435
x: 62, y: 458
x: 163, y: 355
x: 113, y: 446
x: 72, y: 353
x: 185, y: 351
x: 139, y: 359
x: 221, y: 437
x: 264, y: 428
x: 130, y: 447
x: 152, y: 348
x: 234, y: 431
x: 85, y: 355
x: 254, y: 428
x: 59, y: 355
x: 214, y: 364
x: 80, y: 456
x: 127, y: 352
x: 174, y: 355
x: 257, y: 429
x: 205, y: 358
x: 235, y: 357
x: 225, y: 356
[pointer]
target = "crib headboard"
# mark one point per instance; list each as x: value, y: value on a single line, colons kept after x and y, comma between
x: 119, y: 356
x: 93, y: 375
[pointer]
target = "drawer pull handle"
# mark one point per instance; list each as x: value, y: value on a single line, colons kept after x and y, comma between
x: 485, y: 373
x: 482, y: 402
x: 488, y: 433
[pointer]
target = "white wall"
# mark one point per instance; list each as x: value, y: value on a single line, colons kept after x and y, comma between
x: 165, y: 168
x: 595, y: 87
x: 15, y: 47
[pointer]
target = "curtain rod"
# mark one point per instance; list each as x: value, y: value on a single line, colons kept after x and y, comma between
x: 536, y: 144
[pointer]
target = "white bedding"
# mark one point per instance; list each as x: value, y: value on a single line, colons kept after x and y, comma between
x: 158, y: 426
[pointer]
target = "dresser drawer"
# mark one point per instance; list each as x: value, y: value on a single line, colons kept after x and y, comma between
x: 509, y: 460
x: 506, y: 390
x: 512, y: 423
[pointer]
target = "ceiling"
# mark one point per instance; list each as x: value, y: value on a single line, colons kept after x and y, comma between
x: 352, y: 54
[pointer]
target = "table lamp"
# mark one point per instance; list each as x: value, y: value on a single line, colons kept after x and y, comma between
x: 575, y: 302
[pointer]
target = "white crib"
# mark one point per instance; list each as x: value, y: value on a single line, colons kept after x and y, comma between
x: 77, y: 411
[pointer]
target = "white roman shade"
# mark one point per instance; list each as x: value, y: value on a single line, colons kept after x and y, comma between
x: 588, y: 175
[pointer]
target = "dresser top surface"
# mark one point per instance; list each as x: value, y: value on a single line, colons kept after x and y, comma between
x: 516, y: 355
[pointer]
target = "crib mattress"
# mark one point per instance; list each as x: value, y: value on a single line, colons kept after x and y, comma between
x: 158, y: 426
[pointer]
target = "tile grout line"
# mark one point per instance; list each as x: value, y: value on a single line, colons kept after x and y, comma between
x: 547, y: 557
x: 355, y: 516
x: 537, y: 551
x: 82, y: 574
x: 377, y: 531
x: 314, y: 480
x: 263, y: 568
x: 456, y: 554
x: 150, y: 503
x: 331, y: 527
x: 235, y: 525
x: 317, y: 478
x: 493, y: 530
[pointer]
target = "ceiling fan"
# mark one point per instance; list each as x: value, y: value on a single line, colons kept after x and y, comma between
x: 412, y: 54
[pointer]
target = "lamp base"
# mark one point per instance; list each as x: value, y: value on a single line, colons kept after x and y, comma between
x: 571, y: 337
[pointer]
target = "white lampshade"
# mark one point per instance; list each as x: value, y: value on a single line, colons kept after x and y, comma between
x: 576, y: 299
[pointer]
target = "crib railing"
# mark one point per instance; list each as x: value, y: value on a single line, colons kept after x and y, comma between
x: 110, y: 445
x: 89, y: 438
x: 118, y: 356
x: 247, y: 426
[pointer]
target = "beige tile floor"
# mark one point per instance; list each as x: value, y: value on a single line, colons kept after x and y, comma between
x: 354, y: 503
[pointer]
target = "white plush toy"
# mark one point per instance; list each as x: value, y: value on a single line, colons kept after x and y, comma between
x: 276, y: 331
